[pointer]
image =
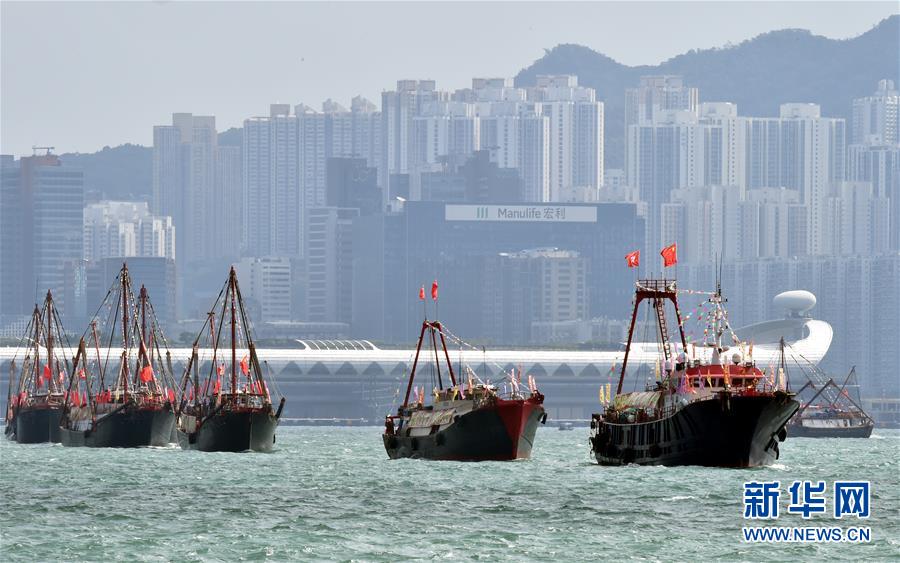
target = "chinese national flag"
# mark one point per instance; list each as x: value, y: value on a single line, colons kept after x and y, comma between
x: 434, y: 290
x: 47, y: 375
x: 422, y: 293
x: 633, y: 259
x: 147, y: 374
x: 245, y: 366
x: 670, y: 255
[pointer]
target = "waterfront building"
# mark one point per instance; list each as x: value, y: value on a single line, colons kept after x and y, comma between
x: 418, y: 242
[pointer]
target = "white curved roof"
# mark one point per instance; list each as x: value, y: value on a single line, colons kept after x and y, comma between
x: 813, y: 346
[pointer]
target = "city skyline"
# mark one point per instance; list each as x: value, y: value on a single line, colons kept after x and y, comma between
x: 276, y: 71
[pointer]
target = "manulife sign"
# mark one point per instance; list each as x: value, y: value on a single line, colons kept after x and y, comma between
x: 523, y: 213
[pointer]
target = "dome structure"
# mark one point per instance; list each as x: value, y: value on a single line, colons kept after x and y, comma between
x: 797, y: 302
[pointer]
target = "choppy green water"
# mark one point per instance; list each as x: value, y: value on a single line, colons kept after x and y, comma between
x: 332, y: 494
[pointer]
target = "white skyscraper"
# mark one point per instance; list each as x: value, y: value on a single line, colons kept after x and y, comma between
x: 399, y: 108
x: 880, y: 166
x: 515, y: 132
x: 858, y: 219
x: 271, y: 184
x: 266, y: 284
x: 657, y: 94
x: 876, y: 118
x: 704, y: 221
x: 116, y: 229
x: 576, y: 134
x: 773, y: 224
x: 803, y: 151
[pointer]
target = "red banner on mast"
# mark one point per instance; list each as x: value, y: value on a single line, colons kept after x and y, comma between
x: 670, y: 255
x: 633, y: 259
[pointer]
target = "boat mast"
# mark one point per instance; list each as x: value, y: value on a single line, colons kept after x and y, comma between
x: 657, y: 291
x: 124, y: 367
x: 233, y: 336
x: 37, y: 349
x: 52, y: 381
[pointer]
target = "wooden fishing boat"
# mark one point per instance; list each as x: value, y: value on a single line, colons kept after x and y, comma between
x: 126, y: 401
x: 35, y: 398
x: 224, y: 411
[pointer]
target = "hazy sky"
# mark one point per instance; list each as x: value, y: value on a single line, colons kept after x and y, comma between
x: 80, y: 75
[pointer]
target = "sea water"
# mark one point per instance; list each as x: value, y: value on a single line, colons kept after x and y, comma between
x: 332, y: 494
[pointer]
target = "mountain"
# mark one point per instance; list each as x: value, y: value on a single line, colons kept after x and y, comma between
x: 123, y: 172
x: 790, y: 65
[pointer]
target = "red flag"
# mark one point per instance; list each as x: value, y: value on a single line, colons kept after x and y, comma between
x: 76, y: 399
x: 171, y: 395
x: 422, y: 293
x: 47, y: 375
x: 220, y: 369
x: 147, y: 374
x: 81, y: 373
x: 633, y: 259
x: 434, y: 290
x: 217, y: 387
x: 670, y: 255
x: 245, y: 366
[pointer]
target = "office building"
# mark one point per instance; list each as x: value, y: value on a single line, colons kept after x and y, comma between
x: 266, y: 285
x: 418, y: 242
x: 329, y: 258
x: 41, y: 230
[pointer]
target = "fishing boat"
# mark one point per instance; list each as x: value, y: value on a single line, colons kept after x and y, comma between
x: 471, y: 421
x: 35, y: 404
x: 831, y: 412
x: 123, y: 395
x: 225, y: 411
x: 715, y: 413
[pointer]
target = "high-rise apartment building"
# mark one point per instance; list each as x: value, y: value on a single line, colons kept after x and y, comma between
x: 576, y: 134
x: 185, y: 187
x: 773, y: 224
x: 880, y: 166
x: 229, y: 184
x: 799, y: 150
x: 876, y: 118
x: 399, y: 108
x: 655, y: 95
x: 116, y: 229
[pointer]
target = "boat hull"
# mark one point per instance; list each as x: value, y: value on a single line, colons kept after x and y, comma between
x: 37, y: 425
x: 501, y: 432
x: 801, y: 431
x: 232, y: 432
x: 128, y: 428
x: 723, y: 431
